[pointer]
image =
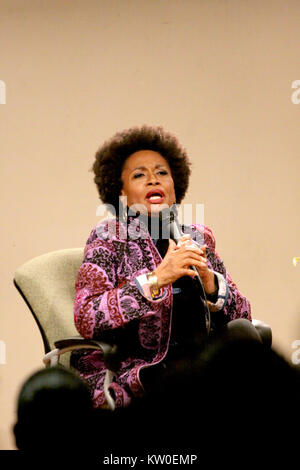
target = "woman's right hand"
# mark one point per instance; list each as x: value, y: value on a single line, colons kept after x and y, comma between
x: 178, y: 260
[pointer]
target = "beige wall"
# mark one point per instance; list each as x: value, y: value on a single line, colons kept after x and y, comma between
x: 216, y: 73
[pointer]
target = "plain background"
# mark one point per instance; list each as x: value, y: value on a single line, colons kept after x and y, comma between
x: 217, y: 73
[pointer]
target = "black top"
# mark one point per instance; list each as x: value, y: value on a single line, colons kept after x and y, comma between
x: 188, y: 329
x: 188, y: 315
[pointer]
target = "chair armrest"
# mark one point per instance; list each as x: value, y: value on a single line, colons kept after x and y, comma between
x: 264, y: 331
x: 77, y: 342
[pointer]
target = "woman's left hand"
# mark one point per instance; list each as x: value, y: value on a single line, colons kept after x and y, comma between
x: 206, y: 274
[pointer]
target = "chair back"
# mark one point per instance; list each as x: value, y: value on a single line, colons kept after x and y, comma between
x: 47, y: 284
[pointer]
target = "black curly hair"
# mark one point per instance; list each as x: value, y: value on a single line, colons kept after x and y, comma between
x: 111, y: 156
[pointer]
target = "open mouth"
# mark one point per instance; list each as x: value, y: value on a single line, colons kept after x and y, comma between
x: 155, y: 196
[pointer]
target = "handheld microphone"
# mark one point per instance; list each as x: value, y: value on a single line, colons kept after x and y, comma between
x: 169, y: 222
x: 171, y: 229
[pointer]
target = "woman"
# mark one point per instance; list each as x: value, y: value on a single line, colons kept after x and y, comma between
x: 140, y: 291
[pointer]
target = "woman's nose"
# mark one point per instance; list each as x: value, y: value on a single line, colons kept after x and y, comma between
x: 152, y: 179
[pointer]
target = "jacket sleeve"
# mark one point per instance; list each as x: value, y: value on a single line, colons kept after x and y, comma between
x: 230, y: 303
x: 103, y: 301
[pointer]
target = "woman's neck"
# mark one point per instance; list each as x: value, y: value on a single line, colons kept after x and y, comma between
x: 153, y: 223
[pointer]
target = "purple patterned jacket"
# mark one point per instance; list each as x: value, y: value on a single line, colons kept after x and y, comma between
x: 111, y: 298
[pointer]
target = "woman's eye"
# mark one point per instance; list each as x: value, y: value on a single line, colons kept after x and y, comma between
x: 160, y: 172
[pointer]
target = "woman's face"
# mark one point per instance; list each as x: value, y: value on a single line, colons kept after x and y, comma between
x: 147, y: 181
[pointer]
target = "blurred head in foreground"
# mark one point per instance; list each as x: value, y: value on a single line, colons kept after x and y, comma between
x: 53, y: 408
